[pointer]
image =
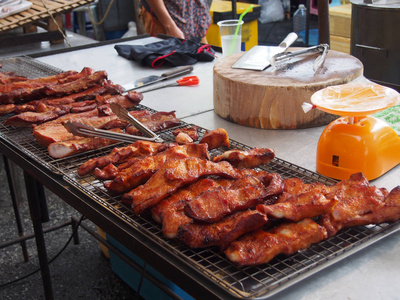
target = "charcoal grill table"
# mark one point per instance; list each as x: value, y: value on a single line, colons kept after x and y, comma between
x: 354, y: 271
x: 99, y: 215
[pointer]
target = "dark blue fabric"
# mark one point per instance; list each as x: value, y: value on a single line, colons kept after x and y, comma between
x: 177, y: 52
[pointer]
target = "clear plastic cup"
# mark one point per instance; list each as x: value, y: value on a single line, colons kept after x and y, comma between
x: 231, y: 42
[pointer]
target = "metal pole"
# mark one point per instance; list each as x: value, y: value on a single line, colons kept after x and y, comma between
x: 307, y: 29
x: 323, y: 22
x: 234, y: 9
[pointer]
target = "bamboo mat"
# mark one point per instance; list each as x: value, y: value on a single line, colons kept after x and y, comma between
x: 39, y: 10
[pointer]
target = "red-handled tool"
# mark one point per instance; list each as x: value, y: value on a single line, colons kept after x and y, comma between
x: 184, y: 81
x: 189, y: 80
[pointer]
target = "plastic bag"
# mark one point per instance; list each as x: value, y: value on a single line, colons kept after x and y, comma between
x: 355, y: 98
x: 271, y: 11
x: 132, y: 31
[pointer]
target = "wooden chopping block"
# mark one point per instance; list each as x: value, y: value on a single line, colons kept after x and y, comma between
x: 272, y: 99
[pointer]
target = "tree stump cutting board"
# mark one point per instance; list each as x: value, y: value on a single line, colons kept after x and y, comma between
x: 273, y: 98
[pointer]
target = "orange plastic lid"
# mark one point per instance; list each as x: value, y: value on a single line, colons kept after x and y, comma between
x: 355, y: 99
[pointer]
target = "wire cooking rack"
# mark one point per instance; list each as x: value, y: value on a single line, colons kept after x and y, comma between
x: 255, y: 282
x: 241, y: 282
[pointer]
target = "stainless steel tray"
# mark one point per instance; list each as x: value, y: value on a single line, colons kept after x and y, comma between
x: 259, y: 282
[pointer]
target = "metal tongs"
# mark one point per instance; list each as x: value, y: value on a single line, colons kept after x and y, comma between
x: 322, y: 48
x: 125, y: 115
x: 81, y: 129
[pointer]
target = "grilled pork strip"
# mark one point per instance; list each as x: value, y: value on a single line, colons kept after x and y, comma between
x: 54, y: 131
x: 120, y: 155
x: 244, y: 193
x: 31, y: 118
x: 296, y: 186
x: 119, y: 123
x: 174, y: 174
x: 192, y: 132
x: 183, y: 138
x: 128, y: 100
x: 139, y: 172
x: 73, y: 107
x: 216, y: 138
x: 360, y: 204
x: 170, y: 211
x: 89, y: 94
x: 10, y: 77
x: 260, y: 247
x: 78, y: 145
x: 223, y: 232
x: 247, y: 159
x: 45, y: 113
x: 110, y: 171
x: 156, y: 122
x: 76, y: 86
x: 6, y: 109
x: 38, y: 82
x: 40, y: 88
x: 298, y: 207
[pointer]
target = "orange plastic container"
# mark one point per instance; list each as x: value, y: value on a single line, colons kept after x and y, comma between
x: 370, y: 146
x: 356, y: 142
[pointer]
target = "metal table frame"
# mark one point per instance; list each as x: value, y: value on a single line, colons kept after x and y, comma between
x: 167, y: 264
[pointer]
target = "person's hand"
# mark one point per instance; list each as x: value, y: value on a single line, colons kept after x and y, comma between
x: 174, y: 31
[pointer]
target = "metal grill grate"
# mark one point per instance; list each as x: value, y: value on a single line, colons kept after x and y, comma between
x: 26, y: 66
x: 241, y: 282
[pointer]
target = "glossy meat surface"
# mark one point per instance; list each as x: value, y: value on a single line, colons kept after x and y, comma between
x: 78, y: 145
x: 298, y: 207
x: 140, y: 171
x: 216, y: 138
x: 223, y: 232
x: 155, y: 122
x: 120, y: 155
x: 360, y: 204
x: 247, y: 159
x: 260, y: 246
x: 174, y: 174
x: 170, y: 211
x: 192, y: 132
x: 244, y: 193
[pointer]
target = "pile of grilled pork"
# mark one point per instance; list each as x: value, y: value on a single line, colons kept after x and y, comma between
x: 47, y: 103
x: 223, y: 201
x: 226, y: 201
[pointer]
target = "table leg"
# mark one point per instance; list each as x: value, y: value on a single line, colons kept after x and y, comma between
x: 13, y: 194
x: 29, y: 28
x: 55, y: 24
x: 38, y: 211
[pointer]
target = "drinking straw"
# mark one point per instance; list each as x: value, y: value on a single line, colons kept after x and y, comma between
x: 238, y: 26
